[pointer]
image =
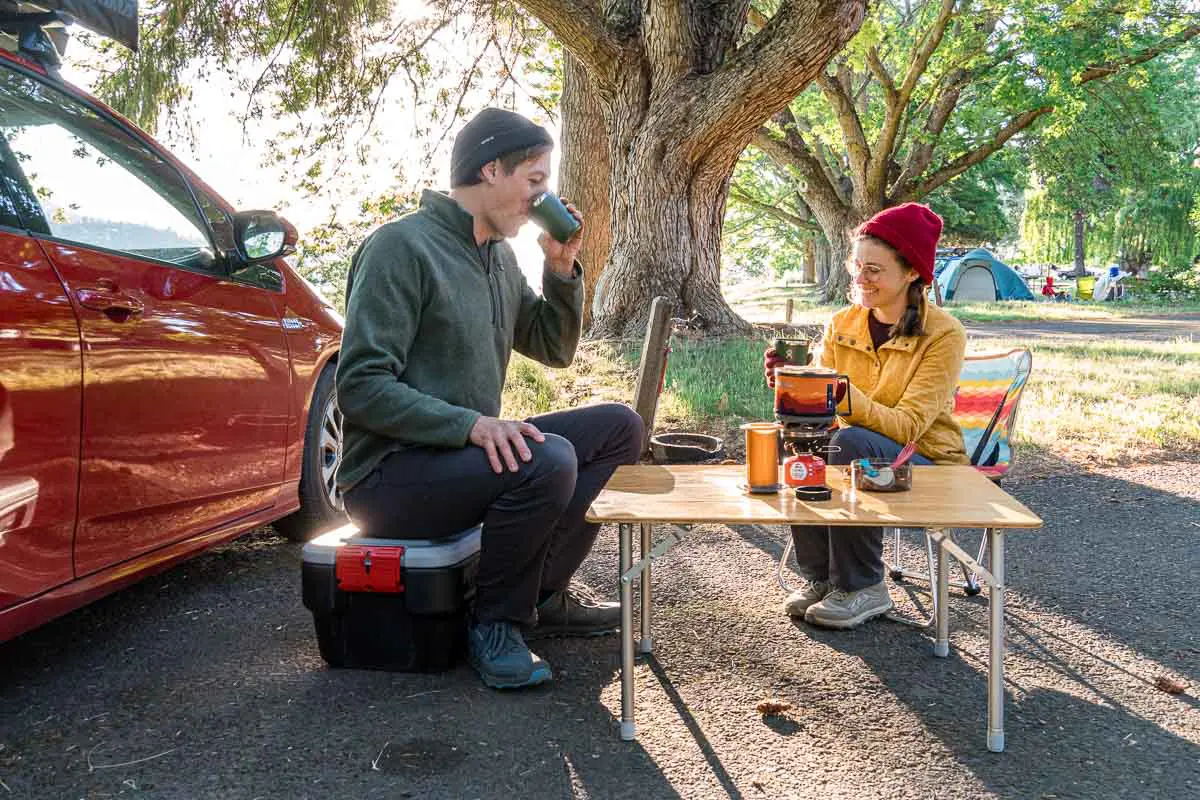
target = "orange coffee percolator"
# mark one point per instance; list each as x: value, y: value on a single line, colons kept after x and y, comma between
x: 809, y: 392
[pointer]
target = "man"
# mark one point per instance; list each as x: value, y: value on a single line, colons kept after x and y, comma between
x: 436, y: 305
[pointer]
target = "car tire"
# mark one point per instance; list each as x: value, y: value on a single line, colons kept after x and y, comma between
x: 320, y: 500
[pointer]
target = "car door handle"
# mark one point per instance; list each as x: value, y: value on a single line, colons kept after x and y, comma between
x: 107, y: 300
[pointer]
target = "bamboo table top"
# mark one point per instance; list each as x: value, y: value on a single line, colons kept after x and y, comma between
x: 941, y: 497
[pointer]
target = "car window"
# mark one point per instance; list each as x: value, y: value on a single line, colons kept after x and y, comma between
x: 91, y: 182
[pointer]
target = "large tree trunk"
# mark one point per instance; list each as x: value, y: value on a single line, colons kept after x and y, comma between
x: 838, y: 223
x: 667, y: 216
x: 1080, y: 222
x: 809, y: 272
x: 585, y: 172
x: 824, y: 260
x: 682, y: 90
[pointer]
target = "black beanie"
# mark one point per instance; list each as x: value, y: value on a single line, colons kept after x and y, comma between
x: 493, y: 132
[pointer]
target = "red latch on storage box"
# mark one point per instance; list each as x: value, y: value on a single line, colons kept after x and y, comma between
x: 369, y: 569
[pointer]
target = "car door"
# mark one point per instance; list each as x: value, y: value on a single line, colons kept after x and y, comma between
x: 185, y: 370
x: 39, y: 416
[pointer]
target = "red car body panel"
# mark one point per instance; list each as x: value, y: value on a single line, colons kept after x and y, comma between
x: 40, y: 404
x: 148, y: 436
x: 185, y: 406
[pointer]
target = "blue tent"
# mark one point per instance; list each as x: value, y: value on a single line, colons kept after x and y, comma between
x: 978, y: 277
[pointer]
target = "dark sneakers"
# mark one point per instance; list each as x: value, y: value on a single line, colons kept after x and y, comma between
x: 575, y: 611
x: 500, y: 656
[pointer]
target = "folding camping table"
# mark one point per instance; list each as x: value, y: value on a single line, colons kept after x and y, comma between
x: 941, y: 497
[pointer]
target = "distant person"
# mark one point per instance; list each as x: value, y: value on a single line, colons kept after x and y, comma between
x: 902, y: 355
x: 1048, y: 290
x: 436, y: 306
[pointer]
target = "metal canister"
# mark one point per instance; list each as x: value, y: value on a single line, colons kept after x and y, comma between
x: 804, y: 469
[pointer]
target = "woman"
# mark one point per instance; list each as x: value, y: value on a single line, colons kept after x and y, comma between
x: 902, y: 356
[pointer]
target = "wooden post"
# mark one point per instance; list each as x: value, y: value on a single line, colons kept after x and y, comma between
x: 787, y: 314
x: 937, y: 293
x: 652, y: 370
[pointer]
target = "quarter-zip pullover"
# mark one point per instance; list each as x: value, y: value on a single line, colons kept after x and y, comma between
x: 419, y: 361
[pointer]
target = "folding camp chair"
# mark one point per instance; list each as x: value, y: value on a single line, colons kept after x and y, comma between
x: 985, y: 407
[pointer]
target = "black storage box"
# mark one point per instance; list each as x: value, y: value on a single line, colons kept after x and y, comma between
x: 393, y: 604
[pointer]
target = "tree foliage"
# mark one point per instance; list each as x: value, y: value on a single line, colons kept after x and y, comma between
x: 930, y: 90
x: 1127, y: 160
x: 331, y: 68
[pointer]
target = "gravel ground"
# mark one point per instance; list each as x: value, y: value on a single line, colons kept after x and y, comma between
x: 1147, y: 329
x: 205, y: 682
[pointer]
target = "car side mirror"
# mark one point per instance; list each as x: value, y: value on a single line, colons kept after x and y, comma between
x: 263, y: 235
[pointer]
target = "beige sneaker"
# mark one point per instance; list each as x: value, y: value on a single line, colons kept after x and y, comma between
x: 841, y: 609
x: 811, y: 592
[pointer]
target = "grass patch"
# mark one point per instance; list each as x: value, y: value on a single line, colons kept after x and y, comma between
x: 529, y: 389
x: 1108, y: 401
x: 1010, y: 311
x: 1115, y: 401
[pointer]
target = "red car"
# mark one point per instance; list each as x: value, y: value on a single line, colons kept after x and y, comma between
x: 166, y: 379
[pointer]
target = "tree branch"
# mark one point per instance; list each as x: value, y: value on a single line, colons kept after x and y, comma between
x: 580, y: 28
x: 1096, y: 71
x: 920, y: 155
x: 895, y: 110
x: 728, y: 105
x: 667, y: 41
x: 792, y: 152
x: 882, y: 75
x: 857, y: 149
x: 964, y: 162
x: 737, y: 193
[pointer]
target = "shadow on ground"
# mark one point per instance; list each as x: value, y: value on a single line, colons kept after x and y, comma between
x: 206, y: 682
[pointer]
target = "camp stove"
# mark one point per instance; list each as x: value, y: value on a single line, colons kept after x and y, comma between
x: 806, y: 406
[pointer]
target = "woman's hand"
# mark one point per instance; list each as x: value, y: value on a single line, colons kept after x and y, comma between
x: 771, y: 360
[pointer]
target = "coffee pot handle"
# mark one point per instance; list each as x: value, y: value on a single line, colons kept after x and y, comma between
x: 844, y: 393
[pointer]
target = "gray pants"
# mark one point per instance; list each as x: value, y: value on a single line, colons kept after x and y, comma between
x: 850, y: 558
x: 534, y: 532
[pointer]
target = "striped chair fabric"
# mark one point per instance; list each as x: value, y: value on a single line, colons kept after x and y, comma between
x: 985, y: 406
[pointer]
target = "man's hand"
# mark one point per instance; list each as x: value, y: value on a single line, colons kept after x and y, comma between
x: 560, y: 256
x: 500, y: 438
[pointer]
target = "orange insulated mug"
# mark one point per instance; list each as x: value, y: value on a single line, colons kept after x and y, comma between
x: 762, y: 456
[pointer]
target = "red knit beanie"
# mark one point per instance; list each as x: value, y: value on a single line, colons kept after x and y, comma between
x: 912, y: 229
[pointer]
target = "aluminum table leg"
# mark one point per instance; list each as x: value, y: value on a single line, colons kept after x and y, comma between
x: 941, y: 606
x: 628, y: 727
x: 995, y: 727
x: 646, y: 645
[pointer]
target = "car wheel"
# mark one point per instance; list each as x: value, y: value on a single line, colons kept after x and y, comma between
x: 320, y: 499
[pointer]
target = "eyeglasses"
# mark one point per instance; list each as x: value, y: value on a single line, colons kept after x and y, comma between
x: 869, y: 273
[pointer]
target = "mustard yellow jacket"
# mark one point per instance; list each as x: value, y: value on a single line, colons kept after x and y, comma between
x: 905, y: 390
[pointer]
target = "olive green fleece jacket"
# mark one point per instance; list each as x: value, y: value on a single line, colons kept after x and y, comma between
x: 431, y: 321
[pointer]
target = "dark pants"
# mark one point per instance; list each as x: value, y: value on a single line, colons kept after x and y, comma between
x: 849, y: 558
x: 534, y: 533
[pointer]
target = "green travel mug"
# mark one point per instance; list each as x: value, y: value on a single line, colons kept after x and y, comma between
x: 553, y: 217
x: 793, y: 351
